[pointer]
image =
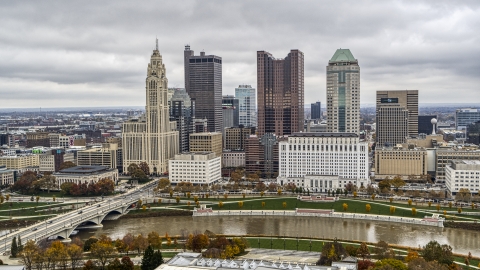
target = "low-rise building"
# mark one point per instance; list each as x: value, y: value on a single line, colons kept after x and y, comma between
x: 85, y: 174
x: 445, y: 156
x: 7, y: 177
x: 105, y: 155
x: 462, y: 174
x: 52, y: 159
x: 233, y: 159
x: 202, y: 168
x: 405, y: 162
x: 21, y: 163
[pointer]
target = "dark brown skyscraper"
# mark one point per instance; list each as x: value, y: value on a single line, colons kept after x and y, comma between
x: 203, y: 82
x: 280, y: 91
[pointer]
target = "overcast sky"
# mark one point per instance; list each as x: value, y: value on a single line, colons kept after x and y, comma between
x: 95, y: 53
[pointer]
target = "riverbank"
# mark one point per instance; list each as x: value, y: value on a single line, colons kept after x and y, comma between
x: 462, y: 225
x: 156, y: 213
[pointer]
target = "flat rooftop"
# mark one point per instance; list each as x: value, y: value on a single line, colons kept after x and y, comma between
x: 84, y: 169
x: 325, y: 134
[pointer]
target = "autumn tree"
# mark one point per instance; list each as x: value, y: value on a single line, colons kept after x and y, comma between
x: 363, y: 251
x: 140, y: 243
x: 368, y: 207
x: 154, y: 240
x: 411, y: 255
x: 390, y: 264
x: 132, y: 168
x: 88, y: 244
x: 56, y: 254
x: 331, y: 251
x: 144, y: 167
x: 197, y: 242
x: 128, y: 239
x: 345, y: 207
x: 75, y: 254
x: 163, y: 183
x: 102, y: 252
x: 397, y: 182
x: 139, y: 175
x: 28, y: 253
x: 382, y: 250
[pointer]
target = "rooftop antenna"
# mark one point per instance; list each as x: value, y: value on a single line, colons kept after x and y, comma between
x: 156, y: 43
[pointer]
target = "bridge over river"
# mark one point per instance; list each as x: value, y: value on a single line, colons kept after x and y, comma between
x: 63, y: 225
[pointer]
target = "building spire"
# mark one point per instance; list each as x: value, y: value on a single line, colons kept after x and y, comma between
x: 156, y: 43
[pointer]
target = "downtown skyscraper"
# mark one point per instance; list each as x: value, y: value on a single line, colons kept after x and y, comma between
x: 152, y: 138
x: 203, y: 82
x: 280, y: 93
x: 396, y: 116
x: 343, y: 93
x: 247, y: 101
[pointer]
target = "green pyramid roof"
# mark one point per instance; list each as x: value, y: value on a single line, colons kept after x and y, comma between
x: 343, y: 55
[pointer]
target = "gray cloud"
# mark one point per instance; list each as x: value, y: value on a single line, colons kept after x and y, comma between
x: 79, y: 53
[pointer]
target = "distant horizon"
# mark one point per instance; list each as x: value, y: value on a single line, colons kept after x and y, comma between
x: 125, y: 107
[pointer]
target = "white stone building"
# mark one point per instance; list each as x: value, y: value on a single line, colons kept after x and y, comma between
x: 462, y: 174
x: 6, y: 176
x: 323, y: 161
x: 85, y: 174
x: 197, y: 168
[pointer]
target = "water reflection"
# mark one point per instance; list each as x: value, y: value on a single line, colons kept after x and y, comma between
x: 462, y: 241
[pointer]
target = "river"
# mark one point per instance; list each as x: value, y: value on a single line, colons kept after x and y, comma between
x: 462, y: 241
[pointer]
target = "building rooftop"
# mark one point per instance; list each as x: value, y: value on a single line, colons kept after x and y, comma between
x: 343, y: 55
x: 325, y: 134
x: 467, y: 162
x: 84, y: 169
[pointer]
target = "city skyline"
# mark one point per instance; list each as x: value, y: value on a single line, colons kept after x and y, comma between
x: 69, y: 54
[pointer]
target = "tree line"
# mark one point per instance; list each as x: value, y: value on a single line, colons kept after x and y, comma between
x: 431, y: 256
x: 104, y: 251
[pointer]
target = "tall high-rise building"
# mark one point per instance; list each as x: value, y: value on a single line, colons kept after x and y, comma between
x: 230, y: 111
x: 316, y: 110
x: 182, y: 111
x: 152, y: 138
x: 247, y: 101
x: 396, y: 116
x: 203, y: 82
x: 280, y: 86
x: 343, y: 93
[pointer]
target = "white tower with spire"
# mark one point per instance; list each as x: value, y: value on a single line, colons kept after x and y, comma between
x: 153, y: 137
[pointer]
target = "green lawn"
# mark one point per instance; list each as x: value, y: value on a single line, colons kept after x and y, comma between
x: 32, y: 209
x: 288, y: 244
x: 354, y: 206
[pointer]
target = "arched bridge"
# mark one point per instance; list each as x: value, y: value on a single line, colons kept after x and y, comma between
x: 62, y: 226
